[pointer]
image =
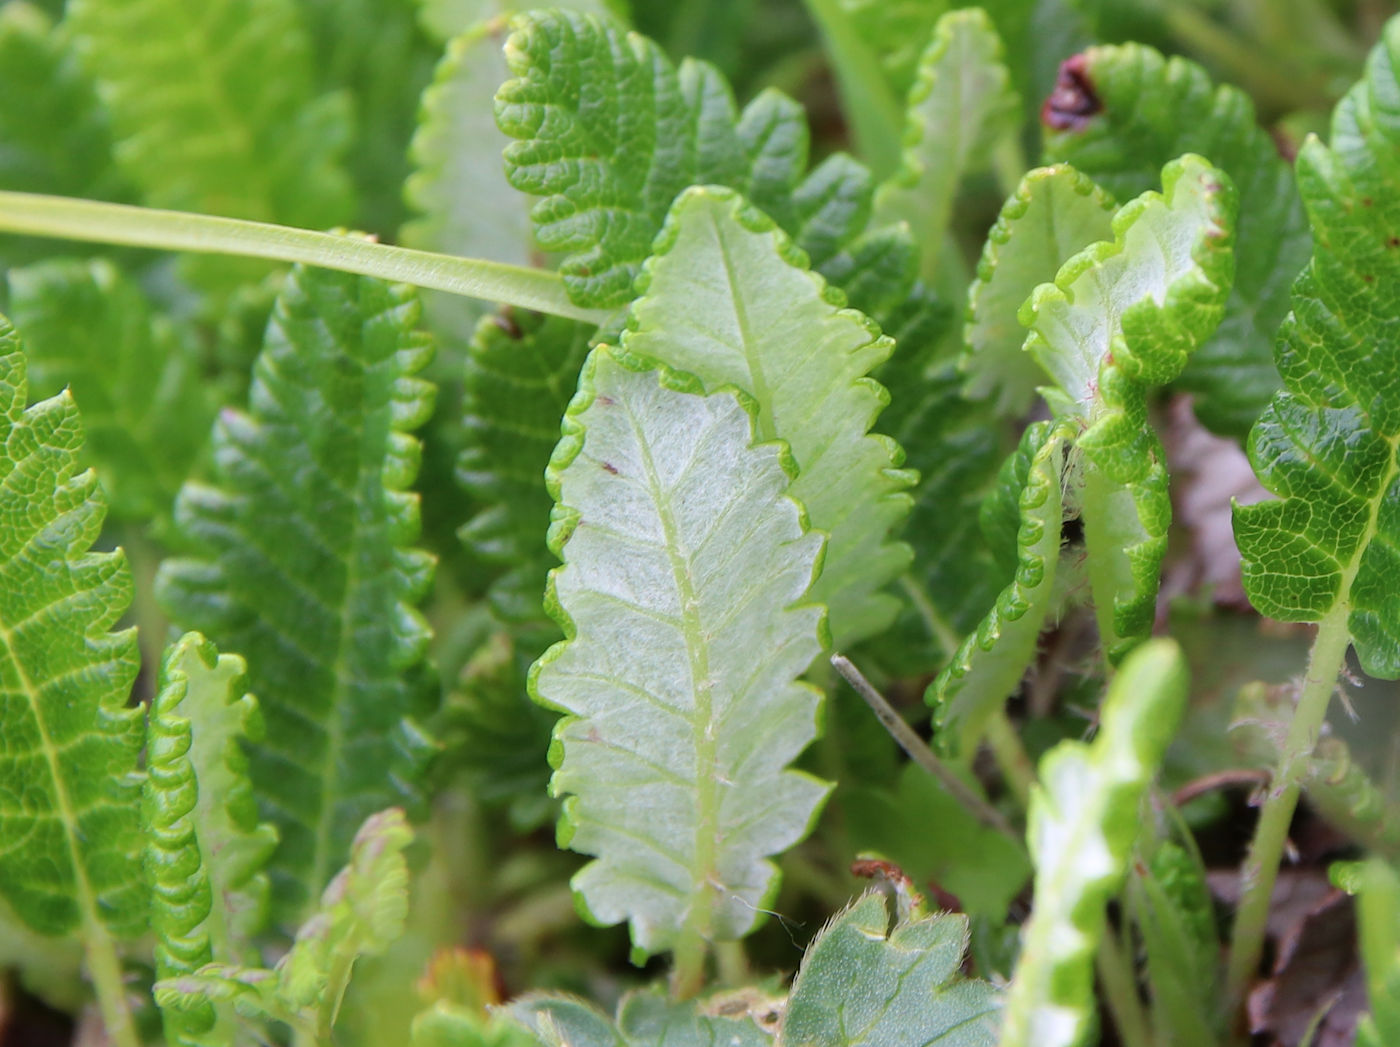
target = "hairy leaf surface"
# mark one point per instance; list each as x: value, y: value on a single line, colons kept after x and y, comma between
x: 213, y: 107
x: 1326, y: 445
x: 988, y: 667
x: 727, y: 299
x: 361, y: 913
x: 683, y: 559
x: 1084, y: 817
x: 70, y: 840
x: 1054, y: 214
x: 304, y: 565
x: 872, y: 981
x: 610, y: 132
x: 205, y: 850
x: 137, y: 378
x: 1123, y: 316
x: 1153, y: 109
x: 961, y: 108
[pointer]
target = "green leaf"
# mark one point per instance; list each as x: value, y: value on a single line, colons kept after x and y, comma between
x: 1174, y: 913
x: 1379, y: 921
x: 205, y: 849
x: 610, y: 132
x: 375, y: 52
x: 69, y: 786
x: 56, y: 135
x: 1326, y: 445
x: 987, y: 668
x: 304, y: 565
x: 1123, y: 316
x: 645, y: 1018
x: 521, y: 372
x: 445, y: 19
x: 875, y: 979
x: 961, y: 109
x: 213, y: 108
x: 136, y: 376
x: 464, y: 204
x: 683, y: 558
x: 727, y: 299
x: 362, y: 913
x: 1054, y: 213
x: 984, y: 868
x: 1153, y: 109
x: 1084, y: 817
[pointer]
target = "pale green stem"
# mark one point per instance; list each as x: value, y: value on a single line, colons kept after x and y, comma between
x: 921, y: 754
x: 874, y: 111
x: 63, y: 218
x: 732, y: 959
x: 105, y: 969
x: 1271, y: 834
x: 1012, y: 759
x: 1121, y: 992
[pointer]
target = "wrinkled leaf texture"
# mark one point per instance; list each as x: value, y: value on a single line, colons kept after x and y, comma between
x: 302, y: 562
x: 1326, y: 445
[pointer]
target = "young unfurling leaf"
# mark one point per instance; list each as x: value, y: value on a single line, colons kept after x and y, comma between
x: 314, y: 580
x: 205, y: 848
x: 1054, y: 214
x: 1121, y: 317
x: 684, y: 560
x: 1083, y: 821
x: 1150, y: 110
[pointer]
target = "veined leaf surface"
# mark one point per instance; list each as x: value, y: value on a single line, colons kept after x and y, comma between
x: 1152, y: 109
x: 610, y: 132
x: 727, y: 299
x: 70, y: 841
x: 645, y: 1018
x: 521, y: 373
x: 205, y: 849
x: 1054, y: 214
x: 871, y: 981
x: 305, y: 566
x: 683, y: 560
x: 1083, y: 821
x: 1122, y: 316
x: 1327, y: 443
x: 213, y: 109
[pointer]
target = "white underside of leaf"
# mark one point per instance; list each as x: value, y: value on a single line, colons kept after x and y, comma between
x: 681, y: 567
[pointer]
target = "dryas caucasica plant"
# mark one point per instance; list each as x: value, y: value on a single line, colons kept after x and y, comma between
x: 739, y: 423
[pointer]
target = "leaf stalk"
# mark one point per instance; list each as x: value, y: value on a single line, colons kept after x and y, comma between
x: 90, y: 221
x: 1271, y: 834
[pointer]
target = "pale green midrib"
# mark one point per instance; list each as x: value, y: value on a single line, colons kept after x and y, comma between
x: 762, y: 393
x: 699, y: 921
x: 99, y: 945
x: 321, y: 857
x: 215, y: 925
x: 1353, y: 568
